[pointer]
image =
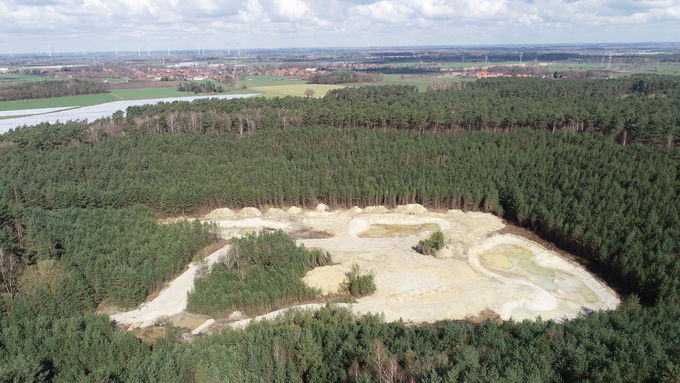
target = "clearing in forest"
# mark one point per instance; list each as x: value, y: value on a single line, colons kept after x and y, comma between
x: 478, y: 269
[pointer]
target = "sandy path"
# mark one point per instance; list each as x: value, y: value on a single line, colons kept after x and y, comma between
x: 172, y: 300
x: 272, y: 315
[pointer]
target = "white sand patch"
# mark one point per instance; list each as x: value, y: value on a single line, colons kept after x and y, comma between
x: 294, y: 210
x: 275, y: 213
x: 414, y: 208
x: 172, y: 300
x: 249, y: 212
x: 203, y: 327
x: 478, y: 269
x: 375, y: 209
x: 221, y: 214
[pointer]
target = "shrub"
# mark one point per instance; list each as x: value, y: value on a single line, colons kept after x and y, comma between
x: 431, y: 245
x: 357, y: 284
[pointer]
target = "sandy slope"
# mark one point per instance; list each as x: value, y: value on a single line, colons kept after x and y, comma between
x: 172, y: 300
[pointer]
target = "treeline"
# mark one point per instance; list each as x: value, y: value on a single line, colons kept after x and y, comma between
x: 628, y: 345
x: 69, y: 214
x: 616, y: 206
x: 50, y: 88
x: 345, y: 77
x: 260, y: 273
x: 200, y: 87
x: 104, y: 256
x: 644, y: 109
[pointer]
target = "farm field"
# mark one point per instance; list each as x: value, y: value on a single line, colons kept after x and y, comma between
x: 57, y: 102
x: 320, y: 90
x: 278, y: 86
x: 95, y: 99
x: 258, y: 81
x: 12, y: 77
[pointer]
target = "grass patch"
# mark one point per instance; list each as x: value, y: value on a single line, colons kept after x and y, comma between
x: 297, y: 89
x: 13, y: 77
x: 58, y: 102
x: 257, y: 81
x: 95, y: 99
x: 396, y: 230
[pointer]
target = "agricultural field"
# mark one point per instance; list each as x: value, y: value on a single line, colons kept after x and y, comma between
x: 320, y: 90
x: 56, y: 102
x: 13, y: 77
x: 279, y: 86
x: 94, y: 99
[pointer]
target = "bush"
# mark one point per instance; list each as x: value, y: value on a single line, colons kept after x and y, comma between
x: 431, y: 245
x: 359, y: 285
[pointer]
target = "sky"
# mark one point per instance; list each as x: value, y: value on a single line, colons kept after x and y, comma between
x: 79, y: 25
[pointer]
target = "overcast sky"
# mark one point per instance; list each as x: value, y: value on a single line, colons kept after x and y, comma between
x: 76, y: 25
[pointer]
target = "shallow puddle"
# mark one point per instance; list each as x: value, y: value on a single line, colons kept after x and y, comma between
x: 396, y: 230
x: 519, y: 263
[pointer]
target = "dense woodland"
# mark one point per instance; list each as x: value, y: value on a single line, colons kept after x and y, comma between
x: 50, y: 88
x: 640, y: 109
x: 345, y: 77
x: 199, y: 87
x: 260, y: 273
x: 70, y: 197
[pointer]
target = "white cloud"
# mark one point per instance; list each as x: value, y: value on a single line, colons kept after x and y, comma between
x: 270, y: 23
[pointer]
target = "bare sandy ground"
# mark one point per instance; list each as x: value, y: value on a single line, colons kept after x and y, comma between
x: 479, y: 269
x: 171, y: 301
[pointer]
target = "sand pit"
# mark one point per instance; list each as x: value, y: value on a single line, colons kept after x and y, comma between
x: 479, y: 269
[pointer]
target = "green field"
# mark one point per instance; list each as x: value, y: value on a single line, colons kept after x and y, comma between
x: 94, y: 99
x: 278, y: 86
x: 258, y: 81
x: 320, y: 90
x: 420, y: 81
x: 13, y: 77
x: 57, y: 102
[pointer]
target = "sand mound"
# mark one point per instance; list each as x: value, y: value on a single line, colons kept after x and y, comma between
x: 294, y: 210
x: 321, y: 207
x: 275, y: 213
x: 249, y: 212
x: 328, y: 279
x: 411, y: 209
x: 376, y: 209
x: 356, y: 210
x: 220, y: 214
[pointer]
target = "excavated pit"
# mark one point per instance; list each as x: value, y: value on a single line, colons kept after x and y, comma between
x: 480, y: 269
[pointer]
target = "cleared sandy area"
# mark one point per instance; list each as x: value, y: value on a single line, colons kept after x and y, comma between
x: 171, y: 301
x: 479, y: 269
